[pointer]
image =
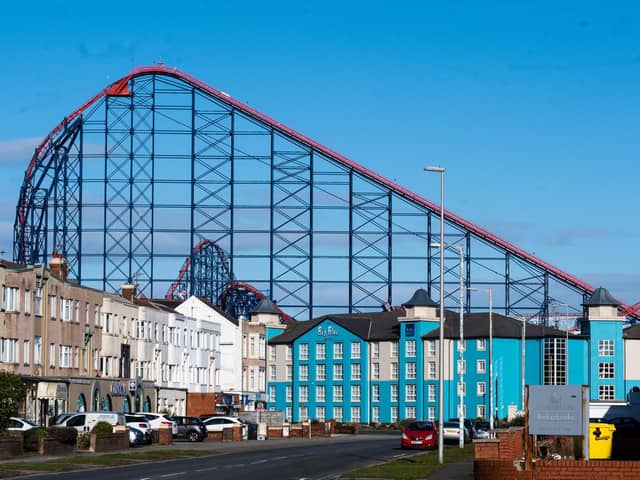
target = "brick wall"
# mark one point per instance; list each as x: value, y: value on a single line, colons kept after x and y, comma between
x: 201, y: 403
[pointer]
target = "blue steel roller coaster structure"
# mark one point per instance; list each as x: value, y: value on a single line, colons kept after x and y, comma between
x: 159, y: 167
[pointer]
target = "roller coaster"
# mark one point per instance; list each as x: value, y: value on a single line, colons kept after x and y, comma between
x: 159, y: 167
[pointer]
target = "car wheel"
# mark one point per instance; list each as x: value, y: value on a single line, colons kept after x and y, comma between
x: 194, y: 437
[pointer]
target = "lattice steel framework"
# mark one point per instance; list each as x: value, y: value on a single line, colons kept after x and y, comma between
x: 158, y: 162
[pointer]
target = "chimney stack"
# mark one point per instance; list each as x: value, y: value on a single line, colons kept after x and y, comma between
x: 129, y: 291
x: 58, y: 266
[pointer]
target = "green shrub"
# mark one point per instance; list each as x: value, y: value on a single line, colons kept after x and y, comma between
x: 31, y: 438
x: 13, y: 391
x: 101, y: 428
x: 66, y: 435
x: 83, y: 441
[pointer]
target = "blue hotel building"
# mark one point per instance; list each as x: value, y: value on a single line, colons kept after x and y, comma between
x: 382, y: 367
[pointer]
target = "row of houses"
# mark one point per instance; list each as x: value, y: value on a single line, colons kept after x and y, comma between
x: 81, y: 349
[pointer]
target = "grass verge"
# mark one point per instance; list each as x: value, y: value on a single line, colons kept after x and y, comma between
x: 14, y: 469
x: 415, y: 466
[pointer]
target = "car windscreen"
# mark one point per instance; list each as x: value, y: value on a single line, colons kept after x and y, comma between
x: 481, y: 426
x: 420, y: 426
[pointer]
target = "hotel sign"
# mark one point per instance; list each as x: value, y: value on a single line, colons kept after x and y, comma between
x: 118, y: 389
x: 327, y: 332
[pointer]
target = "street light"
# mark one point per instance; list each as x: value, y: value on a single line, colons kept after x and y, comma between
x: 441, y: 171
x: 488, y: 290
x: 460, y: 249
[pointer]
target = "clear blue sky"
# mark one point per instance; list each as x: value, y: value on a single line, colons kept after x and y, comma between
x: 534, y: 110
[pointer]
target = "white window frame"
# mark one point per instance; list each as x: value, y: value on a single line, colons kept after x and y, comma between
x: 355, y: 371
x: 355, y: 350
x: 481, y: 366
x: 410, y: 348
x: 410, y: 370
x: 410, y: 392
x: 303, y: 353
x: 606, y: 348
x: 431, y: 392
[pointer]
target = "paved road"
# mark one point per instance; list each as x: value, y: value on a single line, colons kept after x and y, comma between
x: 317, y: 459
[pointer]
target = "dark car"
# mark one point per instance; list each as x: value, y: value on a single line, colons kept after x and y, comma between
x: 190, y: 428
x: 625, y: 425
x: 481, y: 429
x: 419, y: 434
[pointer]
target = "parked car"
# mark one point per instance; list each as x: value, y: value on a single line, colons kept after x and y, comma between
x: 139, y: 422
x: 85, y: 421
x: 481, y: 429
x: 419, y: 434
x: 137, y: 437
x: 451, y: 432
x: 58, y: 419
x: 20, y: 424
x: 218, y: 424
x: 625, y: 425
x: 191, y: 428
x: 159, y: 420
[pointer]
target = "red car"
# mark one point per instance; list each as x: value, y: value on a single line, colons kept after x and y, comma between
x: 419, y: 434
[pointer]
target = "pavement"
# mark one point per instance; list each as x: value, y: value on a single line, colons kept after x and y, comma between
x: 454, y: 471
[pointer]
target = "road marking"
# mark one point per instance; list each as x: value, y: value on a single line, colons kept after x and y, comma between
x: 258, y: 461
x: 400, y: 455
x: 173, y: 474
x: 280, y: 458
x: 203, y: 470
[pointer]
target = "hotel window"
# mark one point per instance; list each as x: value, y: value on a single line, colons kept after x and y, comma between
x: 410, y: 348
x: 65, y: 309
x: 355, y: 393
x: 375, y: 393
x: 410, y: 370
x: 37, y: 350
x: 431, y: 392
x: 52, y: 354
x: 481, y: 366
x: 289, y: 393
x: 261, y: 344
x: 289, y: 372
x: 394, y: 414
x: 272, y: 373
x: 338, y: 372
x: 337, y: 351
x: 606, y: 392
x: 304, y: 351
x: 606, y: 348
x: 462, y: 366
x: 375, y: 349
x: 431, y: 348
x: 288, y: 412
x: 27, y: 301
x: 394, y: 349
x: 320, y: 393
x: 96, y: 314
x: 480, y: 411
x: 26, y: 351
x: 355, y: 414
x: 10, y: 299
x: 86, y: 314
x: 272, y: 393
x: 304, y: 373
x: 462, y: 389
x: 375, y: 415
x: 606, y: 370
x: 481, y: 388
x: 431, y: 372
x: 431, y: 413
x: 304, y: 393
x: 37, y: 305
x: 338, y: 393
x: 52, y: 306
x: 355, y: 349
x: 462, y: 410
x: 394, y: 393
x: 481, y: 344
x: 321, y: 351
x: 65, y: 356
x: 289, y: 352
x: 320, y: 415
x: 355, y: 371
x: 304, y: 413
x: 410, y: 412
x: 394, y: 370
x: 337, y: 413
x: 321, y: 371
x: 272, y: 353
x: 375, y: 374
x: 9, y: 350
x: 410, y: 393
x: 555, y: 361
x: 252, y: 347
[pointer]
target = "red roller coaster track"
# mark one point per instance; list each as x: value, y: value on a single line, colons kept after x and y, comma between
x: 121, y: 88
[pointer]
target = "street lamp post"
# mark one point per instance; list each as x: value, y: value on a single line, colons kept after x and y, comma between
x: 441, y: 171
x: 488, y: 290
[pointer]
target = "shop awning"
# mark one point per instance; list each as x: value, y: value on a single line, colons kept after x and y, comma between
x: 52, y: 391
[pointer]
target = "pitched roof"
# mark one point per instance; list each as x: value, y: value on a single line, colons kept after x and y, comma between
x: 601, y: 296
x: 632, y: 332
x: 370, y: 326
x: 476, y: 325
x: 265, y: 306
x: 420, y: 298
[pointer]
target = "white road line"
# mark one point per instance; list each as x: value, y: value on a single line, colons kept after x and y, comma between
x: 399, y: 455
x: 279, y: 458
x: 206, y: 469
x: 259, y: 461
x: 173, y: 474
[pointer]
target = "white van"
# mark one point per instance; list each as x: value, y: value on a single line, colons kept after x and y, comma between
x: 85, y: 421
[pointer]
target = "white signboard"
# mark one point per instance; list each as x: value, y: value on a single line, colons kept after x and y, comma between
x: 557, y: 409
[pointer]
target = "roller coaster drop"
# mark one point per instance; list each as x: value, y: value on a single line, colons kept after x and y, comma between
x: 159, y: 167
